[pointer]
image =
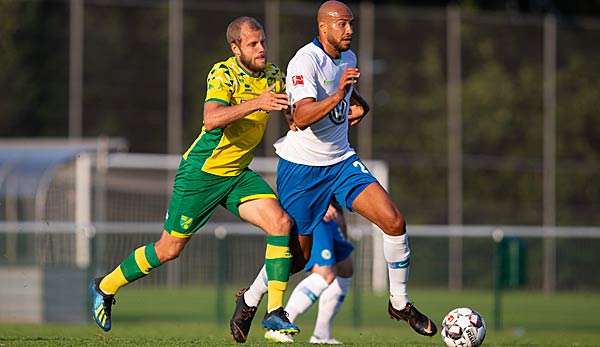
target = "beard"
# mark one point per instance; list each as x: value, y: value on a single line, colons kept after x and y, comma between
x: 339, y: 45
x: 251, y: 65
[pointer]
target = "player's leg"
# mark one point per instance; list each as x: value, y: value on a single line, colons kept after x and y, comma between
x: 102, y: 290
x: 375, y: 204
x: 195, y: 195
x: 321, y: 263
x: 308, y: 291
x: 300, y: 246
x: 253, y: 201
x: 248, y: 299
x: 310, y: 288
x: 330, y: 253
x: 331, y: 301
x: 135, y: 266
x: 268, y: 215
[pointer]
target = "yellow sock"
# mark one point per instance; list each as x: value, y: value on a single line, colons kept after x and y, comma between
x: 137, y: 265
x: 276, y: 290
x: 113, y: 281
x: 278, y: 260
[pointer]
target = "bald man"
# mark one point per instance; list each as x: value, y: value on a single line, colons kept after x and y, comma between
x: 317, y: 163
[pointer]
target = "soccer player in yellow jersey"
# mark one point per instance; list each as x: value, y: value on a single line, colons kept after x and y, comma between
x: 214, y: 171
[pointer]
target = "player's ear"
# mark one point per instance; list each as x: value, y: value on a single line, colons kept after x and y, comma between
x: 322, y: 27
x: 235, y: 49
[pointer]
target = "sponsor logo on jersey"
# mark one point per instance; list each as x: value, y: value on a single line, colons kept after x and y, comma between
x: 298, y: 80
x: 339, y: 112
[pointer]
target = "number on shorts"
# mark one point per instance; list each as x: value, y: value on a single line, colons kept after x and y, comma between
x: 360, y: 165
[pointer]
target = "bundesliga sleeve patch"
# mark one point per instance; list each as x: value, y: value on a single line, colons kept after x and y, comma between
x: 297, y: 80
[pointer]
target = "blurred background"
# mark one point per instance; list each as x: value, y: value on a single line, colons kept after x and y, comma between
x: 485, y: 122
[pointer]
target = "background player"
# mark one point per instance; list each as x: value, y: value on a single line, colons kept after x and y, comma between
x: 214, y: 171
x: 331, y: 270
x: 317, y: 163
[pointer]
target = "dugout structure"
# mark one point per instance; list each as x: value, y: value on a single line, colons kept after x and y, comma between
x: 45, y: 227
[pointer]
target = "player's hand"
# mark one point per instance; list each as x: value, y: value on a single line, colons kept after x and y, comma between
x: 349, y: 77
x: 290, y: 119
x: 356, y: 114
x: 331, y: 214
x: 269, y: 101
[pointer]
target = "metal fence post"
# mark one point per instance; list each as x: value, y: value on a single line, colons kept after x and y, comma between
x: 356, y: 282
x: 549, y: 184
x: 76, y: 8
x: 83, y: 210
x: 367, y: 42
x: 221, y: 238
x: 455, y: 197
x: 175, y: 78
x: 497, y: 236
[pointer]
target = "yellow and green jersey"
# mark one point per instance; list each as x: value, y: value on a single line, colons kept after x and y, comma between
x: 228, y: 151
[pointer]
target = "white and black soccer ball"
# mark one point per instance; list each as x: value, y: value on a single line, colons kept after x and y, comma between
x: 463, y: 327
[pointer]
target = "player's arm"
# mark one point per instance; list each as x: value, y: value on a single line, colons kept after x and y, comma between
x: 217, y: 115
x: 308, y: 111
x: 358, y: 107
x: 336, y: 213
x: 287, y: 114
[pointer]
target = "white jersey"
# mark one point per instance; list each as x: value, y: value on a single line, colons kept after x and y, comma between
x: 313, y: 74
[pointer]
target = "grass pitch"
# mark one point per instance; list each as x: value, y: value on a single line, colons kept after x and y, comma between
x: 186, y: 317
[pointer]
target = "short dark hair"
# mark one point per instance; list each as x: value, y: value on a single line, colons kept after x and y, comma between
x: 234, y: 28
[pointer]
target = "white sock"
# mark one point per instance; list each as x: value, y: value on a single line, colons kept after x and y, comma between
x: 329, y: 304
x: 396, y: 252
x: 258, y: 288
x: 304, y: 295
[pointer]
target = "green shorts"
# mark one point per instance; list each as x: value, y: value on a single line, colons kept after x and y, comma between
x: 196, y: 195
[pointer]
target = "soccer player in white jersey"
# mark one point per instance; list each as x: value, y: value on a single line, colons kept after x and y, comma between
x: 317, y: 163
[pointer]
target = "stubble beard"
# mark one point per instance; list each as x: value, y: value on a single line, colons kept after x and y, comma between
x: 248, y: 63
x: 337, y: 44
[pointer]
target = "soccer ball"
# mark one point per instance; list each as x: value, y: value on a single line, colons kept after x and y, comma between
x: 463, y: 327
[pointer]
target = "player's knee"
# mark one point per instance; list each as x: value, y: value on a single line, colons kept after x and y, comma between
x: 326, y: 272
x: 281, y: 225
x: 169, y: 254
x: 329, y: 277
x: 395, y: 224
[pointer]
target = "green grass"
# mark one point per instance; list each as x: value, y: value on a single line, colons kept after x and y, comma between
x: 186, y: 317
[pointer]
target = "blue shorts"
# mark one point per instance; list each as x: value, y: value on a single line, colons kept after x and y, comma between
x: 305, y: 191
x: 329, y: 246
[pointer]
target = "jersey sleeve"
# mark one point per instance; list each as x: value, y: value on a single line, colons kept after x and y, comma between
x: 219, y: 84
x: 301, y: 79
x: 276, y: 76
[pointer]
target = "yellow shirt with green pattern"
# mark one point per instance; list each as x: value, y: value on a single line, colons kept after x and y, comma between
x: 228, y: 151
